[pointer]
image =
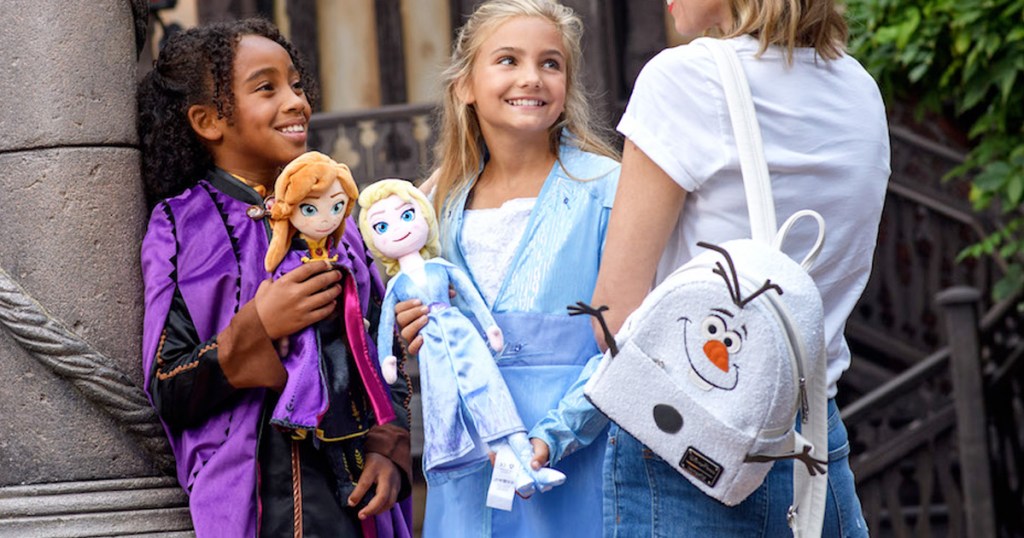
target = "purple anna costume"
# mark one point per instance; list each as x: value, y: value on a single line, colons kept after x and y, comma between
x: 201, y: 247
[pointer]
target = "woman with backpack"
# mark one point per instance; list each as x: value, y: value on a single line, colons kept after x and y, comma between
x: 827, y: 148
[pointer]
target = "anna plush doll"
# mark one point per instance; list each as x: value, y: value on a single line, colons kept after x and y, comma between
x: 312, y: 198
x: 334, y: 390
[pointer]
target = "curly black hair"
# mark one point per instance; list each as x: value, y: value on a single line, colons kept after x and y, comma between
x: 194, y: 67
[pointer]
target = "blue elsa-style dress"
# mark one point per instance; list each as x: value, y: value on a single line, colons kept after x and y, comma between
x: 462, y: 390
x: 547, y: 359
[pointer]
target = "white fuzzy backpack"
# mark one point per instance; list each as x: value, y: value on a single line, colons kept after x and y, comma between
x: 714, y: 368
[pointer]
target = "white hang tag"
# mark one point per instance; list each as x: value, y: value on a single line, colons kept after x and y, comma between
x: 502, y: 490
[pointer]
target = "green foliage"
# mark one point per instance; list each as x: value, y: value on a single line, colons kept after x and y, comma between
x: 964, y: 59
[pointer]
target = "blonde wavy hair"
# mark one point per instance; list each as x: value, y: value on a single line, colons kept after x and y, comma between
x: 310, y: 174
x: 459, y: 149
x: 408, y: 192
x: 790, y: 24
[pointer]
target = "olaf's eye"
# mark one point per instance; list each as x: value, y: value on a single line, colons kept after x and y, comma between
x: 713, y: 327
x: 732, y: 341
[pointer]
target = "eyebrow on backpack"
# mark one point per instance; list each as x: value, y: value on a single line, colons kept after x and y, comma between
x: 723, y: 311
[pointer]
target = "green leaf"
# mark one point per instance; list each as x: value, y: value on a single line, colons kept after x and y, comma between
x: 975, y: 93
x: 962, y: 43
x: 909, y: 26
x: 888, y: 34
x: 992, y: 44
x: 1010, y: 284
x: 993, y: 177
x: 918, y: 71
x: 1008, y: 251
x: 1015, y: 190
x: 1006, y: 84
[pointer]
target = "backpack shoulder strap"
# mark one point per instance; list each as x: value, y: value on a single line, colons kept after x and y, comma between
x: 747, y: 131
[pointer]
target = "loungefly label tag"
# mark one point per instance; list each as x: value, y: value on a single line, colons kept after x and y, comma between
x: 502, y: 490
x: 701, y: 466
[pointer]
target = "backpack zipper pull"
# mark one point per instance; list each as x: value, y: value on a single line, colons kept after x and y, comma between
x: 805, y: 407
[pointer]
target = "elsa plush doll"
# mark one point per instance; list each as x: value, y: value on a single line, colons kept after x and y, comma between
x: 460, y: 379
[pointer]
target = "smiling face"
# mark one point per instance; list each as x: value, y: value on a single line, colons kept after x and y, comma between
x: 398, y: 227
x: 711, y: 347
x: 518, y: 82
x: 693, y: 18
x: 268, y: 126
x: 317, y: 216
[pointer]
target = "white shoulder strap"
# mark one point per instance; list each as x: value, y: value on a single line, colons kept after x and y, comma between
x: 756, y: 182
x: 809, y: 492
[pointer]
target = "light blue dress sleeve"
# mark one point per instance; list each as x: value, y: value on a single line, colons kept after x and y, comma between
x: 386, y: 328
x: 465, y: 289
x: 575, y: 423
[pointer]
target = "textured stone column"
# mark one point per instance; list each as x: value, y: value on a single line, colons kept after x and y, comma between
x: 72, y: 416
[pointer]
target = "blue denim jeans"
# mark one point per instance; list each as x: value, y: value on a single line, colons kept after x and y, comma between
x: 644, y: 496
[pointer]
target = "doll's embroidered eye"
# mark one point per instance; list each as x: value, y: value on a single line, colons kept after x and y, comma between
x: 307, y: 210
x: 408, y: 215
x: 338, y: 208
x: 380, y: 227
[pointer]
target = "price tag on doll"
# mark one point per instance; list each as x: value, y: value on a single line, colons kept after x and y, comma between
x: 503, y: 480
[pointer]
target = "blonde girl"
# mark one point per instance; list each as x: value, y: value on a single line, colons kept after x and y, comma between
x: 523, y: 189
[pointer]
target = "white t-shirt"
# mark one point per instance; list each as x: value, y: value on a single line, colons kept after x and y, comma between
x: 826, y: 142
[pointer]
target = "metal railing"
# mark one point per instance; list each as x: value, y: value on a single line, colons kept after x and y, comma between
x: 390, y: 141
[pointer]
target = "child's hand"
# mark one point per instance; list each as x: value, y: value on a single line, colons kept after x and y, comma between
x: 411, y: 317
x: 541, y: 453
x: 381, y: 471
x: 300, y: 298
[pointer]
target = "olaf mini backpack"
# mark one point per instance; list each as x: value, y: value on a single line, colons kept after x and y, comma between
x: 722, y: 369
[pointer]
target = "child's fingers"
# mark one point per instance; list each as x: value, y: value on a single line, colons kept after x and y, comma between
x: 305, y: 271
x: 408, y: 311
x: 380, y: 502
x: 317, y: 282
x: 541, y: 453
x: 362, y: 486
x: 412, y: 330
x: 380, y: 471
x: 320, y: 313
x: 324, y: 298
x: 402, y: 310
x: 413, y: 348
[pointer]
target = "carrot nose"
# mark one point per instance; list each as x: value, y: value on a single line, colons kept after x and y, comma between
x: 717, y: 354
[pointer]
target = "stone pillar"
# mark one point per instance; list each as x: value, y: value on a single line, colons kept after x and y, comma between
x: 78, y: 441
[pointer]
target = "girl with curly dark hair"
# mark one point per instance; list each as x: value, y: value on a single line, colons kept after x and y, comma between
x: 224, y: 109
